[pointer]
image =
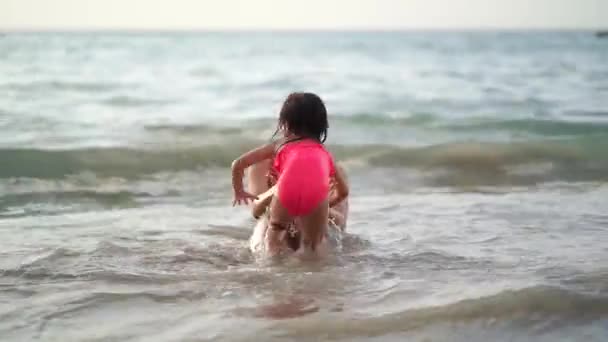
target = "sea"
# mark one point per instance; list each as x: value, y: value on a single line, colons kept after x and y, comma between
x: 477, y: 162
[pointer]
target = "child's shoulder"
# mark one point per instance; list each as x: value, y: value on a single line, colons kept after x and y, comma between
x: 277, y: 143
x: 281, y: 142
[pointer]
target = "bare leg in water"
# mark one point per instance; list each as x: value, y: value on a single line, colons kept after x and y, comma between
x: 257, y: 184
x: 312, y: 226
x: 314, y: 229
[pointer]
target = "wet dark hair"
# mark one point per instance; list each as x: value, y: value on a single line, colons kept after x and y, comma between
x: 304, y: 114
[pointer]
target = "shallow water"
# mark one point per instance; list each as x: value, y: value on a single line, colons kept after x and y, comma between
x: 479, y: 203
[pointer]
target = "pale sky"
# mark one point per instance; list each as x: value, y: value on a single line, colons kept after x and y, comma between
x: 301, y: 14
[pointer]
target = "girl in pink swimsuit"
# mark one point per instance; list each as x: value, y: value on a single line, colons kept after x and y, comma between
x: 302, y: 167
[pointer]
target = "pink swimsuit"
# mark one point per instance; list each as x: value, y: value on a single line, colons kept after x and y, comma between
x: 304, y: 168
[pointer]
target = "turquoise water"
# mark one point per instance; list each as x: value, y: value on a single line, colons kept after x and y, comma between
x: 477, y: 159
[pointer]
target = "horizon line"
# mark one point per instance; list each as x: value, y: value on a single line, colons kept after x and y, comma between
x: 298, y: 30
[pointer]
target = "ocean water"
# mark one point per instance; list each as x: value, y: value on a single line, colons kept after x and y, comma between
x: 478, y: 164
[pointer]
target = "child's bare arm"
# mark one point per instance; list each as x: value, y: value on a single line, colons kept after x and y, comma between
x: 342, y: 188
x: 243, y: 162
x: 337, y: 217
x: 260, y: 205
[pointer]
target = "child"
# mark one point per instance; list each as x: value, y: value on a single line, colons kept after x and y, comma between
x: 302, y: 167
x: 262, y: 185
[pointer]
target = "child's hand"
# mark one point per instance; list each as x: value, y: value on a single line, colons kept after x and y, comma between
x: 242, y: 197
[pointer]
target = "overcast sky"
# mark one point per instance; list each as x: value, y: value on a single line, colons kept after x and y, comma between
x: 301, y: 14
